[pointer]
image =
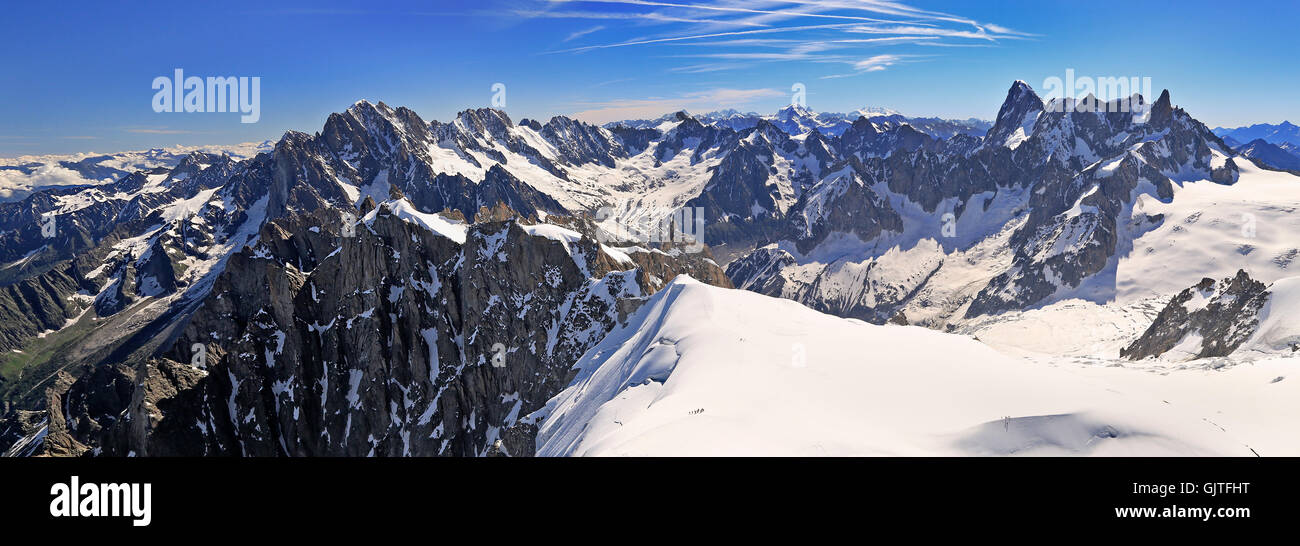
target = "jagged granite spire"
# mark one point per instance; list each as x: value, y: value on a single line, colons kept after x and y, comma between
x: 1016, y: 116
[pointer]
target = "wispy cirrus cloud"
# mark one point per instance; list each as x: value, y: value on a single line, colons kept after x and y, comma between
x: 583, y: 32
x: 875, y: 63
x: 732, y: 9
x: 978, y: 34
x: 697, y: 37
x: 902, y: 10
x: 739, y: 34
x: 704, y: 68
x: 633, y: 17
x: 879, y: 62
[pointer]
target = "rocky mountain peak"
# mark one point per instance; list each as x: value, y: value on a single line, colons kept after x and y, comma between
x: 1021, y: 93
x: 485, y: 121
x: 1272, y: 156
x: 367, y: 205
x: 1017, y: 113
x: 1212, y: 318
x: 380, y: 343
x: 770, y: 200
x: 1162, y: 111
x: 770, y: 132
x: 864, y: 126
x: 369, y: 113
x: 794, y: 111
x: 564, y: 125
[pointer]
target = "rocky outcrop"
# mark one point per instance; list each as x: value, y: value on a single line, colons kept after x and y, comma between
x: 695, y: 137
x: 864, y: 140
x: 1271, y: 156
x: 1210, y: 319
x: 22, y: 432
x: 761, y: 270
x: 38, y: 304
x: 580, y: 143
x: 841, y: 204
x: 398, y: 340
x: 361, y: 322
x: 1063, y: 177
x: 82, y: 406
x: 660, y: 265
x: 167, y: 244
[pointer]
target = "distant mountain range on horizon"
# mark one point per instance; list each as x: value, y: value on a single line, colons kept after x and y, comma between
x: 1272, y: 133
x: 393, y: 286
x: 798, y: 120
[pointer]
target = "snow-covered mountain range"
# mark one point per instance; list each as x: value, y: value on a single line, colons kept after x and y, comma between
x: 20, y: 176
x: 1285, y: 132
x: 797, y: 120
x: 1284, y: 156
x: 481, y: 286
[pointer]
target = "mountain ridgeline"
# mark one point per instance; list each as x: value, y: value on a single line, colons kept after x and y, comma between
x: 391, y: 286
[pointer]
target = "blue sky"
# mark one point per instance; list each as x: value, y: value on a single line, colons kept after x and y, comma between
x: 78, y: 78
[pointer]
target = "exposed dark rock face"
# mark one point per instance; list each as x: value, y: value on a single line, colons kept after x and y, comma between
x: 770, y: 187
x: 1079, y: 166
x: 581, y: 143
x: 373, y: 147
x: 843, y: 204
x: 761, y: 270
x: 1064, y: 249
x: 1221, y: 314
x: 1074, y: 223
x: 38, y: 304
x: 79, y: 410
x: 1271, y: 156
x: 397, y: 341
x: 739, y: 184
x: 435, y: 308
x: 635, y: 141
x: 661, y: 265
x: 879, y: 298
x: 35, y: 236
x: 1019, y: 111
x: 382, y: 339
x: 691, y: 135
x: 863, y: 140
x: 22, y: 432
